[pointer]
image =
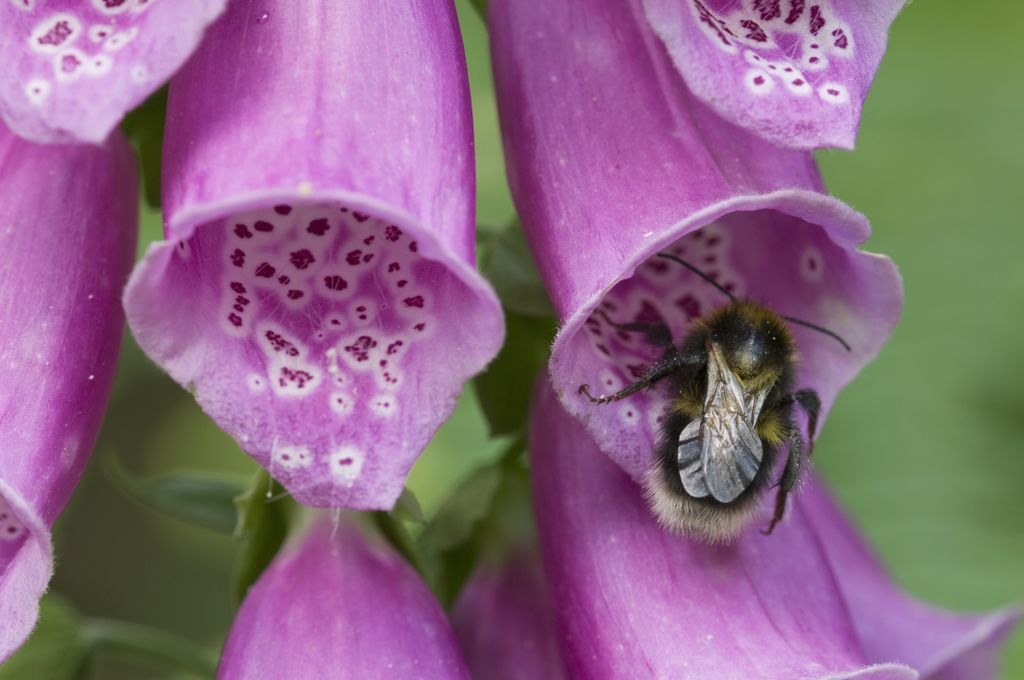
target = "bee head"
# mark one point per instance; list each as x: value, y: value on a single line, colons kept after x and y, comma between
x: 754, y: 341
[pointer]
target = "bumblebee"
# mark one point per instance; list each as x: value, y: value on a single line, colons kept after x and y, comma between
x: 731, y: 414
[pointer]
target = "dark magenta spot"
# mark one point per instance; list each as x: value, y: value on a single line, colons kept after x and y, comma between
x: 414, y: 301
x: 419, y: 327
x: 263, y: 226
x: 690, y: 306
x: 360, y: 349
x: 265, y: 270
x: 281, y: 345
x: 841, y: 41
x: 345, y: 461
x: 301, y: 259
x: 242, y: 300
x: 282, y: 209
x: 714, y: 241
x: 402, y: 283
x: 353, y: 257
x: 295, y: 294
x: 795, y: 10
x: 360, y: 217
x: 318, y: 227
x: 413, y: 247
x: 817, y: 20
x: 832, y: 91
x: 237, y: 287
x: 798, y: 82
x: 369, y: 239
x: 335, y: 282
x: 395, y: 346
x: 238, y: 308
x: 298, y: 377
x: 235, y: 319
x: 754, y: 32
x: 814, y: 60
x: 56, y: 35
x: 394, y: 267
x: 284, y: 280
x: 392, y: 233
x: 242, y: 231
x: 238, y: 257
x: 758, y: 80
x: 367, y: 257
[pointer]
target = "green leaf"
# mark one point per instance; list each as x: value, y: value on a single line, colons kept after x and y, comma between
x: 199, y: 498
x: 262, y: 527
x: 408, y: 508
x: 144, y: 126
x: 454, y: 539
x: 506, y: 387
x: 54, y: 651
x: 481, y: 7
x: 507, y: 263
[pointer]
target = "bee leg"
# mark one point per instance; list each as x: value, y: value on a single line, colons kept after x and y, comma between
x: 790, y: 476
x: 811, y: 404
x: 672, y: 361
x: 657, y: 334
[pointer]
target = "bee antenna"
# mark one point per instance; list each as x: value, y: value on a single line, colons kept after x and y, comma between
x: 698, y: 272
x: 826, y: 331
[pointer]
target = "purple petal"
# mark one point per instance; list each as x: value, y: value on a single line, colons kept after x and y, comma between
x: 795, y: 72
x: 318, y: 293
x: 634, y: 601
x: 891, y: 625
x: 337, y: 606
x: 76, y: 66
x: 69, y: 217
x: 505, y: 623
x: 669, y: 175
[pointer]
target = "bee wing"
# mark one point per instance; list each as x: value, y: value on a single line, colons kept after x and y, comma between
x: 720, y: 454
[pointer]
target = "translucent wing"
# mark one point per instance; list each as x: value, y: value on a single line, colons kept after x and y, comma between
x: 719, y: 454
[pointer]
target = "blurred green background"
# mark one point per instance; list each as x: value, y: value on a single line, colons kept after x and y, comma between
x: 924, y: 448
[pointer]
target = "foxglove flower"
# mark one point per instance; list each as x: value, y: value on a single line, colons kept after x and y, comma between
x: 73, y: 68
x: 669, y: 175
x: 340, y: 606
x: 795, y: 72
x: 69, y: 216
x: 633, y: 600
x: 505, y: 624
x: 317, y: 291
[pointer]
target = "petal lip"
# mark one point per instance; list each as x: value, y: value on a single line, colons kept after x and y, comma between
x: 629, y: 595
x: 990, y: 631
x: 667, y: 165
x: 25, y: 579
x: 88, y: 107
x: 379, y: 125
x: 717, y: 64
x: 845, y: 227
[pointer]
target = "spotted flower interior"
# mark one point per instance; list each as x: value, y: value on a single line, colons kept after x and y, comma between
x: 322, y: 339
x: 795, y: 71
x: 780, y: 261
x: 80, y: 64
x: 12, y: 534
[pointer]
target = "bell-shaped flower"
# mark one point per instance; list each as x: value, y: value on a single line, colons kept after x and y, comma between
x: 667, y: 176
x: 635, y: 601
x: 795, y: 72
x: 73, y: 68
x: 68, y: 218
x: 339, y: 605
x: 317, y: 292
x: 505, y: 624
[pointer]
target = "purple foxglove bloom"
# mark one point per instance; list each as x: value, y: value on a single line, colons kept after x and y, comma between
x: 669, y: 175
x: 68, y: 218
x: 74, y: 67
x: 340, y: 606
x: 635, y: 601
x: 317, y: 292
x: 505, y: 624
x: 943, y: 645
x: 795, y: 72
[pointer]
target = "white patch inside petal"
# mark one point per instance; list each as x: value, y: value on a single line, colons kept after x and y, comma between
x: 70, y: 64
x: 100, y: 65
x: 37, y: 90
x: 54, y: 33
x: 834, y: 93
x: 346, y: 464
x: 759, y: 82
x: 384, y: 405
x: 112, y: 6
x: 11, y: 528
x: 120, y: 39
x: 291, y: 457
x: 100, y: 32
